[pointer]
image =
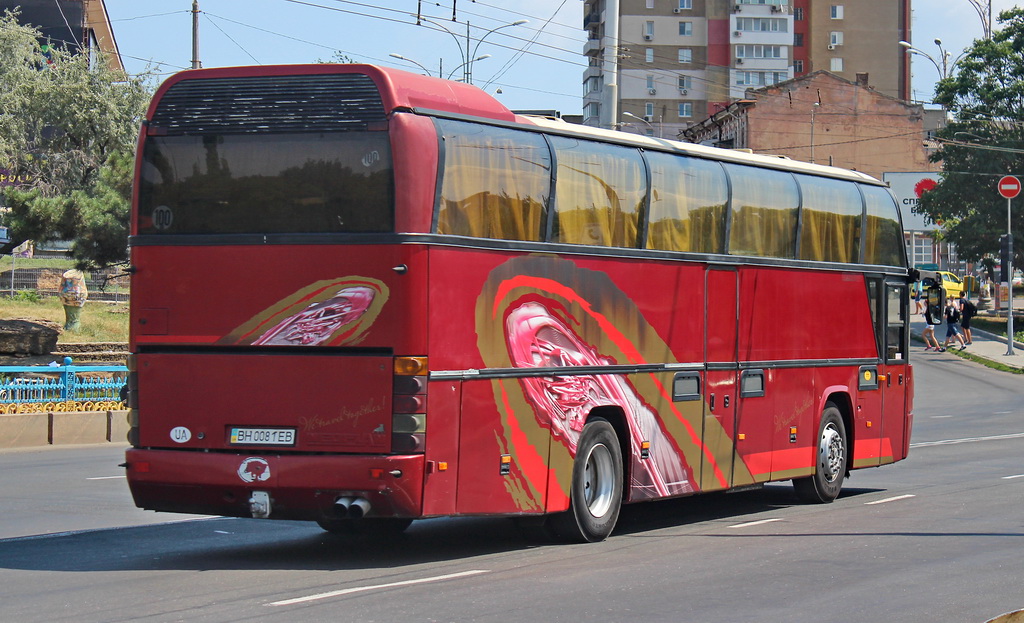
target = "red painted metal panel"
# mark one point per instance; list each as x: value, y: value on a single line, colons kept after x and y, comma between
x: 246, y: 292
x: 300, y: 486
x: 335, y: 403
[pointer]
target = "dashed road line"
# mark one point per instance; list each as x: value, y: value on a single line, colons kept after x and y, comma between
x: 360, y: 589
x: 893, y: 499
x: 755, y: 523
x: 950, y: 442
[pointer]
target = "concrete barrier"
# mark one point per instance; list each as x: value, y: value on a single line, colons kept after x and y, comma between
x: 26, y: 430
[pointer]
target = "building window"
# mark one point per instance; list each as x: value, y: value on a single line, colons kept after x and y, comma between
x: 650, y: 4
x: 685, y: 55
x: 798, y: 66
x: 759, y: 51
x: 837, y: 11
x: 759, y: 78
x: 649, y: 55
x: 685, y: 83
x: 650, y: 81
x: 649, y: 111
x: 685, y: 109
x: 798, y: 39
x: 837, y: 64
x: 685, y: 5
x: 835, y: 38
x: 592, y: 84
x: 649, y: 30
x: 762, y: 24
x: 592, y: 110
x: 686, y: 28
x: 798, y: 14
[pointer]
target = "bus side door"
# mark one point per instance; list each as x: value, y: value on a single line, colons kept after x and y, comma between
x: 720, y: 347
x: 897, y: 372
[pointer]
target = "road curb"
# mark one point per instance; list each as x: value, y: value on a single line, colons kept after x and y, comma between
x: 27, y: 430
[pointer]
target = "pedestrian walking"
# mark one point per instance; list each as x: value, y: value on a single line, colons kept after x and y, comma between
x: 918, y: 303
x: 968, y: 310
x: 929, y: 331
x: 952, y: 313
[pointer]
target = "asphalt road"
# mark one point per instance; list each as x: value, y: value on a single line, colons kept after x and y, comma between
x: 938, y: 537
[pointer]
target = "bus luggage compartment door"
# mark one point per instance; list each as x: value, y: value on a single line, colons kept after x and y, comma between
x: 269, y: 401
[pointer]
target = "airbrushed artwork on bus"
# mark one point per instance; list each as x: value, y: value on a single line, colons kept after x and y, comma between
x: 548, y: 313
x: 332, y: 312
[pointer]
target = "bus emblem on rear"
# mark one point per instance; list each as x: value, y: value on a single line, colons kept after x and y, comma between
x: 253, y: 469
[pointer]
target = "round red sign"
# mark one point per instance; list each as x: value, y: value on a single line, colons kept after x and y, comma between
x: 1009, y: 186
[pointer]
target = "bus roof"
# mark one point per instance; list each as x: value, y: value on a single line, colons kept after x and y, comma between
x: 401, y: 89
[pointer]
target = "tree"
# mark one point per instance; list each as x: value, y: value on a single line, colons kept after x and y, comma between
x: 983, y: 141
x: 69, y: 127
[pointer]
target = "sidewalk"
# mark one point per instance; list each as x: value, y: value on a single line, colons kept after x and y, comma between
x: 984, y: 345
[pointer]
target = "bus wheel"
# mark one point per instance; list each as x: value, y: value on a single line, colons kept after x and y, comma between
x: 830, y: 468
x: 380, y: 526
x: 596, y: 492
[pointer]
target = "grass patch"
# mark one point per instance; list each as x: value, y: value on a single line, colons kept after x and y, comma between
x: 101, y: 322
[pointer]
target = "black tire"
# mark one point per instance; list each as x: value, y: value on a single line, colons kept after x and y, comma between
x: 832, y: 454
x: 595, y: 495
x: 377, y: 526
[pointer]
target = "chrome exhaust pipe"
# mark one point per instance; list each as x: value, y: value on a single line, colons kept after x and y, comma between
x: 358, y: 508
x: 341, y: 506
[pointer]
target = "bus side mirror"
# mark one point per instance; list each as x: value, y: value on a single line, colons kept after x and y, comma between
x: 936, y: 301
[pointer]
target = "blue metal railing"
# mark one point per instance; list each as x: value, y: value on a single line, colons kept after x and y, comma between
x: 61, y: 388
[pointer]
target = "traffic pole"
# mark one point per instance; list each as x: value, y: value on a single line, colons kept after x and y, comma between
x: 1009, y: 187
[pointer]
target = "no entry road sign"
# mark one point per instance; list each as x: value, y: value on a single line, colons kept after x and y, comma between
x: 1009, y: 186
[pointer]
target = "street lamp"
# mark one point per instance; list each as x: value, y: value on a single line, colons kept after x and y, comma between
x: 941, y: 69
x: 468, y: 55
x: 638, y: 118
x: 409, y: 60
x: 469, y: 62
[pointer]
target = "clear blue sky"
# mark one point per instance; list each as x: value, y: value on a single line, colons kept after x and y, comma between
x: 546, y: 74
x: 538, y: 65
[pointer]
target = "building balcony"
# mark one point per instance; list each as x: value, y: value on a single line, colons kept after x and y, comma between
x: 592, y: 47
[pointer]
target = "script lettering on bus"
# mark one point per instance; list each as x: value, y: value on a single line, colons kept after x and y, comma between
x: 351, y: 416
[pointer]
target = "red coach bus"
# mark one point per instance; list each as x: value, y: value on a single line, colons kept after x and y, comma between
x: 363, y: 296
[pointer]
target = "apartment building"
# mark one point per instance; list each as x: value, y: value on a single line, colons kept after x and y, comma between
x: 659, y: 66
x: 82, y: 26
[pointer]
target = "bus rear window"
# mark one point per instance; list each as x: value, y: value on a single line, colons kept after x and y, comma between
x: 330, y: 182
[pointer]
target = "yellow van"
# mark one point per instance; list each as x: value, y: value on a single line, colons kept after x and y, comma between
x: 953, y: 284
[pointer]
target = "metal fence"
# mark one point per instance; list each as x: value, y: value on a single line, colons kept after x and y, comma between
x: 43, y: 276
x: 29, y: 389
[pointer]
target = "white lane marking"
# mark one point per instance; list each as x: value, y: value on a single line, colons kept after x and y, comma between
x: 55, y: 535
x: 898, y: 497
x: 107, y: 478
x: 755, y: 523
x: 940, y: 417
x: 358, y: 589
x: 1014, y: 476
x: 949, y: 442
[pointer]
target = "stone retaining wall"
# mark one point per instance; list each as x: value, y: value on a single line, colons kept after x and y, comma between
x: 26, y: 430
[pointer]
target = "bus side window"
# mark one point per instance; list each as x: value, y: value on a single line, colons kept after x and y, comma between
x: 686, y: 386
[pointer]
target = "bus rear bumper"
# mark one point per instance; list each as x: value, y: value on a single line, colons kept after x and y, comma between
x: 297, y: 486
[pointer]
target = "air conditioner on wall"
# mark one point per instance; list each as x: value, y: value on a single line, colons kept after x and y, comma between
x: 677, y: 10
x: 737, y: 33
x: 648, y: 118
x: 831, y: 46
x: 739, y: 61
x: 683, y: 92
x: 648, y: 37
x: 652, y: 91
x: 775, y: 8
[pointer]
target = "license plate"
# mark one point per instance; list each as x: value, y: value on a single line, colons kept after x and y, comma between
x: 252, y: 436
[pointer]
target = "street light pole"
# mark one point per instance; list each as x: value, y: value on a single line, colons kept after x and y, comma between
x: 409, y: 60
x: 629, y: 114
x: 469, y: 56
